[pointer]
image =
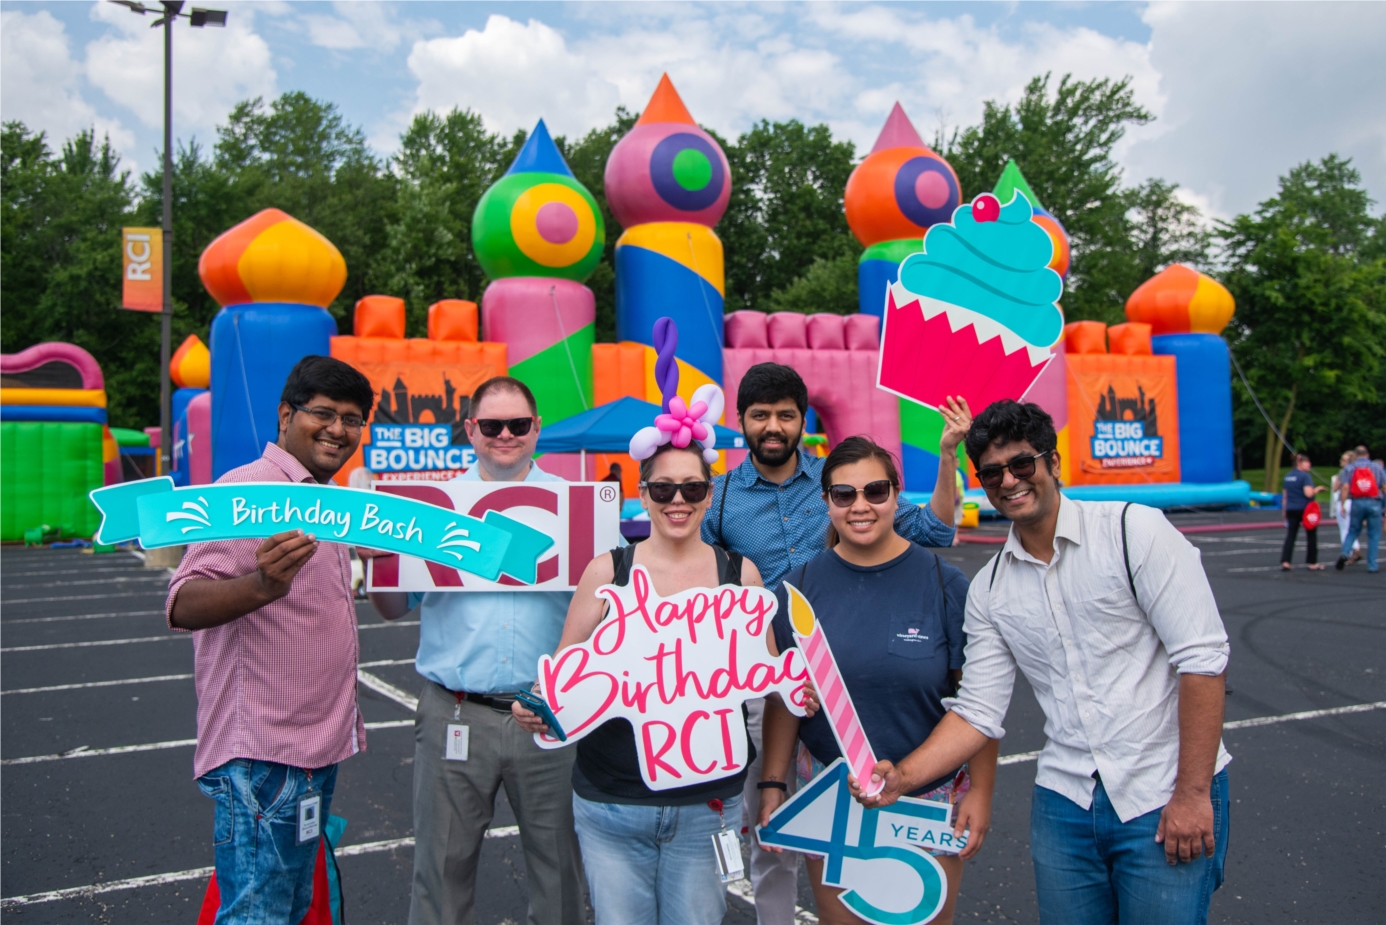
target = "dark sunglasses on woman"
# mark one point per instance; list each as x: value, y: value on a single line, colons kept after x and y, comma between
x: 663, y: 492
x: 1022, y: 467
x: 877, y: 492
x: 492, y: 427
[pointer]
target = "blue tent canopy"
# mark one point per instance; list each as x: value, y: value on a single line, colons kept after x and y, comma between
x: 608, y: 429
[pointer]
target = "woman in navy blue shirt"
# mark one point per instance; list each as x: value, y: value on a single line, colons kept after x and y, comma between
x: 893, y: 612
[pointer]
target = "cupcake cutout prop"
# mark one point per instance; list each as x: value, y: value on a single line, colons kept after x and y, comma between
x: 975, y: 314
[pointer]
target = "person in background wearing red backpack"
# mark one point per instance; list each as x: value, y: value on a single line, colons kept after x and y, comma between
x: 1362, y: 483
x: 1295, y: 496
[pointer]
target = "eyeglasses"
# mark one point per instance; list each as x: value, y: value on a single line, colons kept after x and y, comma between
x: 327, y: 417
x: 663, y: 492
x: 877, y: 492
x: 1022, y: 467
x: 492, y: 427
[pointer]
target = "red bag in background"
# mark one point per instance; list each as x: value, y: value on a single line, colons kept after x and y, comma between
x: 319, y: 913
x: 1312, y: 515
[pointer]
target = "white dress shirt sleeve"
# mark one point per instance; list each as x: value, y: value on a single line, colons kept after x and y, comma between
x: 988, y: 666
x: 1173, y: 590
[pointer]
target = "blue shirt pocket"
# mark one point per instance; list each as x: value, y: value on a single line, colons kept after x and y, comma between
x: 915, y: 636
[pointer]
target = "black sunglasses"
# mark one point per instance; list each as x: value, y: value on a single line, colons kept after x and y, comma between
x: 663, y: 492
x: 327, y: 417
x: 877, y: 492
x: 492, y: 427
x: 1022, y: 467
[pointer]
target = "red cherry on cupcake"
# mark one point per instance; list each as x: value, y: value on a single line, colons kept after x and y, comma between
x: 986, y: 208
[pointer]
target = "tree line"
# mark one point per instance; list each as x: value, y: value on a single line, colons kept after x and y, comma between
x: 1306, y: 267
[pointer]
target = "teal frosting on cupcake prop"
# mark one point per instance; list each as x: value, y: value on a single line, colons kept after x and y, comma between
x: 992, y: 260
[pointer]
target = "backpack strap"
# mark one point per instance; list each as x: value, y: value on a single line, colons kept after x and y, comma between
x: 728, y: 566
x: 995, y: 564
x: 1126, y: 553
x: 722, y: 514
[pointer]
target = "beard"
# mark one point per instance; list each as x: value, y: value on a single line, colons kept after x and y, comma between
x: 774, y: 456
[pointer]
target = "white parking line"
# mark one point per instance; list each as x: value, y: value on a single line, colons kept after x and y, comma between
x: 82, y: 751
x: 83, y: 597
x: 100, y: 642
x: 75, y: 687
x: 1245, y: 724
x: 94, y: 581
x: 201, y: 873
x: 87, y: 616
x: 403, y: 698
x: 166, y: 636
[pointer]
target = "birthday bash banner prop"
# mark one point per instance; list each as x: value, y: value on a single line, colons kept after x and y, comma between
x: 155, y: 513
x: 678, y: 668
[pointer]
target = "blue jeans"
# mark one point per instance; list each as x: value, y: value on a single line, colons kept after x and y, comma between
x: 1093, y: 869
x: 1365, y: 512
x: 263, y: 874
x: 653, y: 865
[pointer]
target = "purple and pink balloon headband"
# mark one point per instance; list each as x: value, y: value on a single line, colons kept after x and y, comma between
x: 679, y: 423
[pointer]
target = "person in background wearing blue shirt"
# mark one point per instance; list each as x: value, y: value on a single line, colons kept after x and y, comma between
x: 770, y: 509
x: 1298, y: 491
x: 1364, y: 483
x: 476, y: 650
x: 893, y: 613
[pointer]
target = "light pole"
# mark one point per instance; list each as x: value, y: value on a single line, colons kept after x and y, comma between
x: 171, y: 9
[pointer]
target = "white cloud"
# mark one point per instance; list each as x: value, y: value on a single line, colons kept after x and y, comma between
x: 1255, y: 89
x: 357, y: 24
x: 40, y: 83
x: 213, y: 69
x: 512, y: 73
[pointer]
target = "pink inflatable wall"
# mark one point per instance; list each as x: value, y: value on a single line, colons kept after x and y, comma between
x: 835, y: 355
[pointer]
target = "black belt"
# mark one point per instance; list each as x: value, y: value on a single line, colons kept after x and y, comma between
x: 499, y: 704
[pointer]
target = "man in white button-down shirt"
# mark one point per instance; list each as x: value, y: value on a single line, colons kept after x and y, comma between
x: 1106, y: 609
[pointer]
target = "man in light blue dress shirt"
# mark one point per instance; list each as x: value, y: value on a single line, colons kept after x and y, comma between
x: 476, y: 650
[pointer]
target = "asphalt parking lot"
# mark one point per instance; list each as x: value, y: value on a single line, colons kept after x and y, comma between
x: 102, y: 822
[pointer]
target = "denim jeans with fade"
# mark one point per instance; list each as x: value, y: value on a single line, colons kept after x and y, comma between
x: 1093, y: 869
x: 654, y: 865
x: 264, y: 875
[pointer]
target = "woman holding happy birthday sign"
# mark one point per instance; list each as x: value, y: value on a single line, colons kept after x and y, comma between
x: 893, y: 614
x: 649, y: 854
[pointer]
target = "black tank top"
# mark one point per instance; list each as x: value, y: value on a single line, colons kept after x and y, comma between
x: 607, y: 769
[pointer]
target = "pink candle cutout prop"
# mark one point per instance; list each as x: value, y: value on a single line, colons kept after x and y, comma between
x: 833, y: 695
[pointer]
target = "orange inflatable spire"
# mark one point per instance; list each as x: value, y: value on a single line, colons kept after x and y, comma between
x: 1180, y: 299
x: 666, y: 105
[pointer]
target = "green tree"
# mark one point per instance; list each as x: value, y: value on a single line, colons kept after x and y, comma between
x: 1311, y: 319
x: 826, y: 286
x: 1163, y: 230
x: 445, y: 164
x: 60, y: 263
x: 785, y: 211
x: 1062, y: 138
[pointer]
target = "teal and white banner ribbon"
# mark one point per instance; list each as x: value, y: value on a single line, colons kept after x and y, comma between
x: 157, y: 514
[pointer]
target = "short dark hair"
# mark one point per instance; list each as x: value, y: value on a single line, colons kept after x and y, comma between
x: 767, y: 383
x: 1009, y: 421
x: 505, y: 384
x: 1301, y: 457
x: 855, y: 450
x: 329, y: 377
x: 647, y: 464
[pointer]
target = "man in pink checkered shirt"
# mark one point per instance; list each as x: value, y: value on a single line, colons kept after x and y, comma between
x: 275, y: 651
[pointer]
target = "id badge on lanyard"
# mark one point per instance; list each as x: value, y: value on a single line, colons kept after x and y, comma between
x: 309, y: 813
x: 726, y: 846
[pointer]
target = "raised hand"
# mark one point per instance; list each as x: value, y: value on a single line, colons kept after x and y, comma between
x: 957, y: 421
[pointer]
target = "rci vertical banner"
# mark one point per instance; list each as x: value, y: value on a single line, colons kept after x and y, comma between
x: 142, y: 262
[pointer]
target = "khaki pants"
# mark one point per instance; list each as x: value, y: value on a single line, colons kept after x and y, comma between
x: 455, y: 800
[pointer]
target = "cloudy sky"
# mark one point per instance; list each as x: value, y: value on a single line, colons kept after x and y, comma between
x: 1242, y: 91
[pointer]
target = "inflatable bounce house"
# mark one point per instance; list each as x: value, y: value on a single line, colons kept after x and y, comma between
x: 956, y: 298
x: 54, y: 443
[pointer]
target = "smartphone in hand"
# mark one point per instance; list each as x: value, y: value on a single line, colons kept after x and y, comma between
x: 540, y: 708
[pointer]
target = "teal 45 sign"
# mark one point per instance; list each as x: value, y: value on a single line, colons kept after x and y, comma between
x: 875, y: 854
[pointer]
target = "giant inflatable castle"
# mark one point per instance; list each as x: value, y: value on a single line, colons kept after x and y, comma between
x: 958, y: 297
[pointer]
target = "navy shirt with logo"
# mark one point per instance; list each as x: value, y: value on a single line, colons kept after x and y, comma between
x: 1296, y: 480
x: 896, y: 632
